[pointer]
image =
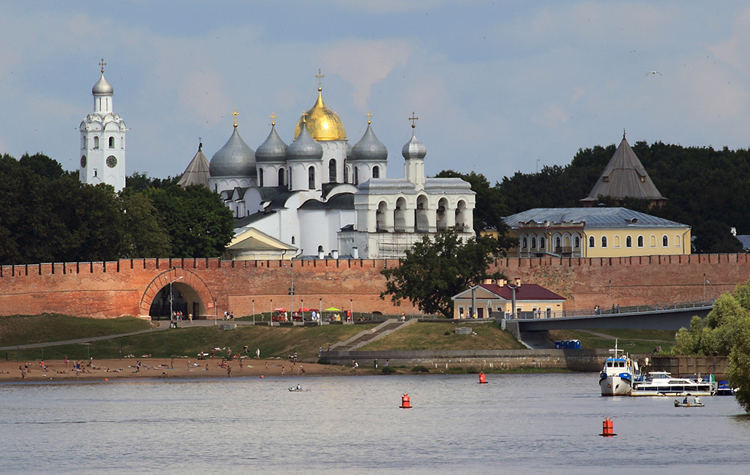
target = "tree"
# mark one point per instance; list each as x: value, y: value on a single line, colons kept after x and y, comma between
x: 434, y: 270
x: 144, y: 236
x: 738, y: 371
x: 198, y: 223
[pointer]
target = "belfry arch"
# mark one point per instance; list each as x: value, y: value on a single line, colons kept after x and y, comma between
x: 201, y: 301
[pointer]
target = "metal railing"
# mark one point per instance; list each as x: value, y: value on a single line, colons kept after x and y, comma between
x: 629, y: 310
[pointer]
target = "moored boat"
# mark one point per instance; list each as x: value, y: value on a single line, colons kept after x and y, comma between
x: 661, y: 383
x: 616, y: 378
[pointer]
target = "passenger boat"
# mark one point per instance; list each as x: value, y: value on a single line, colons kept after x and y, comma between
x: 616, y: 378
x: 661, y: 383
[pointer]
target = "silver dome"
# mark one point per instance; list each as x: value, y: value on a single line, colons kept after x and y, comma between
x: 234, y: 159
x: 414, y: 149
x: 273, y: 149
x: 369, y: 148
x: 102, y: 87
x: 305, y: 147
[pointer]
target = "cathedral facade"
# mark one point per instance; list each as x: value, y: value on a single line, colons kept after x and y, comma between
x: 321, y: 197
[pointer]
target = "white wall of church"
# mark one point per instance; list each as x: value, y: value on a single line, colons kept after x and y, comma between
x: 333, y: 150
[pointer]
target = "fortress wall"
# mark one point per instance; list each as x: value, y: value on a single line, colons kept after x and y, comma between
x: 109, y: 289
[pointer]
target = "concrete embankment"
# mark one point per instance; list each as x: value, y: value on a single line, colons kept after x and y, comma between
x: 574, y: 360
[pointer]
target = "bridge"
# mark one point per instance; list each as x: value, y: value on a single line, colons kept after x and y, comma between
x: 535, y: 331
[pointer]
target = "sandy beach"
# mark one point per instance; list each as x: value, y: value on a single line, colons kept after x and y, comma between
x: 154, y: 368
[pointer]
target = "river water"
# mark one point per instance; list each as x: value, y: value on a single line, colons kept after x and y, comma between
x: 513, y: 424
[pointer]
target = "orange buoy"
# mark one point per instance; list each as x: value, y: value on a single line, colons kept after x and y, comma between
x: 482, y: 379
x: 608, y: 428
x: 105, y: 379
x: 261, y: 376
x: 405, y: 402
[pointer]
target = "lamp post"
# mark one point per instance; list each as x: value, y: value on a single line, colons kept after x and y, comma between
x: 253, y: 311
x: 513, y: 297
x: 610, y: 295
x: 704, y: 287
x: 291, y: 291
x: 171, y: 296
x: 320, y: 311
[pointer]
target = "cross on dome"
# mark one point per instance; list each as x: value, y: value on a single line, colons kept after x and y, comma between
x: 413, y: 120
x: 319, y: 76
x: 368, y: 115
x: 235, y: 114
x: 273, y: 118
x: 102, y: 64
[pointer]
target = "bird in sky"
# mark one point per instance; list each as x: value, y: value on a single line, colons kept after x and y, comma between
x: 654, y: 72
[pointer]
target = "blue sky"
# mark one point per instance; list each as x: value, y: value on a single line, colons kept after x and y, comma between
x: 498, y: 86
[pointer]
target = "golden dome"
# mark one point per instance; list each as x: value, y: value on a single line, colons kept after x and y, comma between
x: 322, y: 122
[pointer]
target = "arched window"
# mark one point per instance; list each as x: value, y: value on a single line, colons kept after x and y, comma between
x: 260, y: 177
x: 332, y: 171
x: 524, y: 243
x: 617, y: 241
x: 356, y: 175
x: 577, y: 242
x: 677, y: 241
x: 542, y: 243
x: 652, y: 241
x: 628, y: 241
x: 640, y: 241
x: 311, y: 178
x: 558, y: 242
x: 281, y: 177
x: 604, y: 241
x: 665, y: 241
x: 592, y: 241
x: 96, y: 142
x: 111, y: 142
x: 291, y: 183
x: 376, y: 172
x: 293, y: 239
x: 533, y: 243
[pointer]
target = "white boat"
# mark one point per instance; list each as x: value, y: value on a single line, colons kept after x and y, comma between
x: 616, y: 378
x: 695, y: 403
x: 661, y: 383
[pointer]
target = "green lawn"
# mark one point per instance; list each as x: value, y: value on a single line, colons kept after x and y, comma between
x: 440, y: 336
x: 632, y: 341
x: 25, y: 329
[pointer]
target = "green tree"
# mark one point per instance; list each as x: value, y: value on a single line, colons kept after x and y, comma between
x: 144, y: 236
x: 434, y: 270
x: 738, y: 371
x: 196, y: 219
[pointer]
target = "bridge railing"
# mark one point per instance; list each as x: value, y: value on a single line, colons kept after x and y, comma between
x: 628, y: 310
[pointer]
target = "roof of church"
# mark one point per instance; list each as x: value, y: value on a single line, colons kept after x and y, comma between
x: 322, y: 122
x: 589, y: 217
x: 624, y: 177
x: 369, y: 148
x: 339, y: 201
x: 196, y: 172
x: 235, y: 158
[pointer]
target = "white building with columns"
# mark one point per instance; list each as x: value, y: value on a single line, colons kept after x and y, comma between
x: 321, y: 197
x: 103, y: 140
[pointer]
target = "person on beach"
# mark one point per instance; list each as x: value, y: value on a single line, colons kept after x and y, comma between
x: 171, y: 363
x: 257, y: 353
x: 137, y: 366
x: 66, y: 361
x: 240, y: 365
x: 229, y: 371
x: 283, y: 371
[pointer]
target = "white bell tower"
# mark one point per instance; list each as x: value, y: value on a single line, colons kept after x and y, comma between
x: 103, y: 140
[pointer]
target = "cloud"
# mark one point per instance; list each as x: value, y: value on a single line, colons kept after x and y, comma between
x: 364, y: 63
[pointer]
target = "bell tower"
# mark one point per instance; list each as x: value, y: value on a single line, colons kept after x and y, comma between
x: 103, y: 140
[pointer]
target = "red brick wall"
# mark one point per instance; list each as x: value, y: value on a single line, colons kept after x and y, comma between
x: 126, y: 287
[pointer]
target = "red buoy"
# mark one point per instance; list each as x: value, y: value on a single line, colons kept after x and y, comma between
x: 405, y: 402
x: 482, y: 379
x: 608, y: 428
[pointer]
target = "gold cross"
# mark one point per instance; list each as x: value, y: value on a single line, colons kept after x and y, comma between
x: 304, y: 116
x: 102, y: 64
x: 273, y: 118
x: 368, y: 115
x: 319, y: 76
x: 235, y: 114
x: 413, y: 118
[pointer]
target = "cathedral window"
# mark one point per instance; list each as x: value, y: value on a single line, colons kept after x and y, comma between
x: 356, y: 176
x: 604, y: 241
x: 332, y: 171
x: 677, y: 241
x: 524, y: 243
x: 293, y: 240
x: 533, y: 243
x: 96, y: 143
x: 640, y: 241
x: 578, y: 242
x: 558, y: 243
x: 311, y: 178
x: 628, y: 241
x: 111, y: 142
x: 281, y: 177
x: 542, y: 243
x: 291, y: 184
x: 592, y: 242
x: 665, y: 241
x: 376, y: 172
x: 260, y: 177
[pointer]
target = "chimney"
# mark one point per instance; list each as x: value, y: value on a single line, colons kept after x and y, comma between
x: 487, y: 281
x: 335, y: 253
x: 518, y: 282
x: 355, y: 252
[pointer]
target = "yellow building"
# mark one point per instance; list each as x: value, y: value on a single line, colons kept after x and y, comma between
x: 595, y: 232
x: 532, y: 301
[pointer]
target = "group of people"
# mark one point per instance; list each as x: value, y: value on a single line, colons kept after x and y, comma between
x: 615, y: 309
x: 178, y: 316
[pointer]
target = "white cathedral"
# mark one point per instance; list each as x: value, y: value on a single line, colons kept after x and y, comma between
x: 321, y: 197
x: 317, y: 197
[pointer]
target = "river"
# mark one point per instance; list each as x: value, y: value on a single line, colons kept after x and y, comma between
x: 513, y: 424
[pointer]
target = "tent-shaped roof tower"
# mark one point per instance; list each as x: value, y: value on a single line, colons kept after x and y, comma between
x: 196, y: 172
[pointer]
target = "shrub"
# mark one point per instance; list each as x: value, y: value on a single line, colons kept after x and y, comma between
x: 420, y: 369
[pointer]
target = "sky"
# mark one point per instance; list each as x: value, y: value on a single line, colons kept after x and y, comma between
x: 498, y: 87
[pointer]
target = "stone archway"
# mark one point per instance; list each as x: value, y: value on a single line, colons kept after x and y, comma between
x: 188, y: 283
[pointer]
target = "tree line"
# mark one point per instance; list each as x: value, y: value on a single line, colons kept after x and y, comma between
x: 48, y: 215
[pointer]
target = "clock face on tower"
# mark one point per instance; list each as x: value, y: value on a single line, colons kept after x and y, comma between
x: 83, y: 161
x: 111, y: 161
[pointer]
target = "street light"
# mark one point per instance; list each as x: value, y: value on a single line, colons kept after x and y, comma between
x: 171, y: 296
x: 253, y: 311
x: 291, y: 291
x: 513, y: 297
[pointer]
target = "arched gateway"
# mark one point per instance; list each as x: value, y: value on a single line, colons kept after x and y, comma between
x: 200, y: 300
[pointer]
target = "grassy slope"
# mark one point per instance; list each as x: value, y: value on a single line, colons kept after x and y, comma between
x: 25, y: 329
x: 431, y: 336
x: 632, y: 341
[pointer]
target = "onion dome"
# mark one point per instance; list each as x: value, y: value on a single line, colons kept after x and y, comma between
x: 414, y: 149
x: 304, y: 147
x: 235, y: 158
x: 102, y: 87
x: 369, y: 148
x: 273, y: 149
x: 322, y: 122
